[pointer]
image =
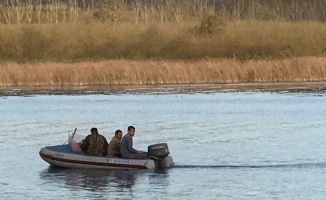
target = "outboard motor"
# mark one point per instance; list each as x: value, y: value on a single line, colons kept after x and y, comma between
x: 158, y: 152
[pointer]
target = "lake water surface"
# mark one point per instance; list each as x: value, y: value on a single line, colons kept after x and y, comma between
x: 246, y: 145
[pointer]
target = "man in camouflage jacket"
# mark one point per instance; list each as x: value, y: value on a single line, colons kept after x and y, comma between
x: 94, y: 144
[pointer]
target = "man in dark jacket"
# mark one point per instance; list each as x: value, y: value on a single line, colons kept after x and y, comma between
x: 94, y: 144
x: 126, y: 149
x: 114, y: 145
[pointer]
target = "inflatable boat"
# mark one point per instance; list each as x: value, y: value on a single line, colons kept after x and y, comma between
x: 65, y: 156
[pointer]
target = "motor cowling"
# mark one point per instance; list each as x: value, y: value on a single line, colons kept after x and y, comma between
x: 158, y: 150
x: 159, y: 153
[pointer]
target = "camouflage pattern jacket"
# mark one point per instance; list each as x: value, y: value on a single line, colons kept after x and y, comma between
x: 95, y: 145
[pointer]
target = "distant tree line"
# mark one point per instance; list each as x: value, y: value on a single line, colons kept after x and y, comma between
x: 45, y: 11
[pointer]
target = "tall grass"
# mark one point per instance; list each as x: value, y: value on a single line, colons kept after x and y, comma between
x: 125, y: 72
x: 160, y: 42
x: 197, y: 39
x: 53, y: 30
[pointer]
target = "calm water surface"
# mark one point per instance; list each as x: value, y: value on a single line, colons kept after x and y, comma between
x: 225, y: 145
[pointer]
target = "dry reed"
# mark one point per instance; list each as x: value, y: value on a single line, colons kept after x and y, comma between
x: 125, y: 72
x: 187, y: 40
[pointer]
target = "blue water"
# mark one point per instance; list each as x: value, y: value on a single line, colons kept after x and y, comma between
x: 225, y: 145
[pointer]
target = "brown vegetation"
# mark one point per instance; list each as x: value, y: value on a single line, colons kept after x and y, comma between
x: 147, y: 11
x: 72, y: 30
x: 209, y: 38
x: 124, y: 72
x: 111, y: 42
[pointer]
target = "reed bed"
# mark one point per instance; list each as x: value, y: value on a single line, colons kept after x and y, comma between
x: 126, y: 72
x: 203, y: 38
x: 119, y: 42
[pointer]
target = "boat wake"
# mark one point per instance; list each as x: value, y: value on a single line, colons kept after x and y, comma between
x: 295, y: 165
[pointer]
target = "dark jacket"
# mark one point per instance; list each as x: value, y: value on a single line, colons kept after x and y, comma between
x: 95, y: 145
x: 114, y: 148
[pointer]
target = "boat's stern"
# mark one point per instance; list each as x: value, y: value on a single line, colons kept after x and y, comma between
x: 160, y: 154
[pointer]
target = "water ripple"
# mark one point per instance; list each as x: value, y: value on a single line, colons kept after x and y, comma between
x: 278, y: 140
x: 296, y: 165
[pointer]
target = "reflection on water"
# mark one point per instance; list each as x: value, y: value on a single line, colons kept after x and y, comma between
x: 102, y: 183
x: 91, y: 179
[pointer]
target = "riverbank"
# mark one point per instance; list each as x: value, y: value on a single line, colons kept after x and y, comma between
x: 315, y: 88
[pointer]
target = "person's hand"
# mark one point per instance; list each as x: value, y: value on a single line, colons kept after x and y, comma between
x: 140, y: 151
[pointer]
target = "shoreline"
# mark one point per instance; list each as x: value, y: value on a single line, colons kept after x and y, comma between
x: 285, y: 87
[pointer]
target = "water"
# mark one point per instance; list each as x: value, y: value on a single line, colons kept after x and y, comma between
x: 225, y: 145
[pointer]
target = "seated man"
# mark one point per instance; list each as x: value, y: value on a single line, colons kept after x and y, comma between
x: 114, y: 145
x: 126, y: 146
x: 94, y: 144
